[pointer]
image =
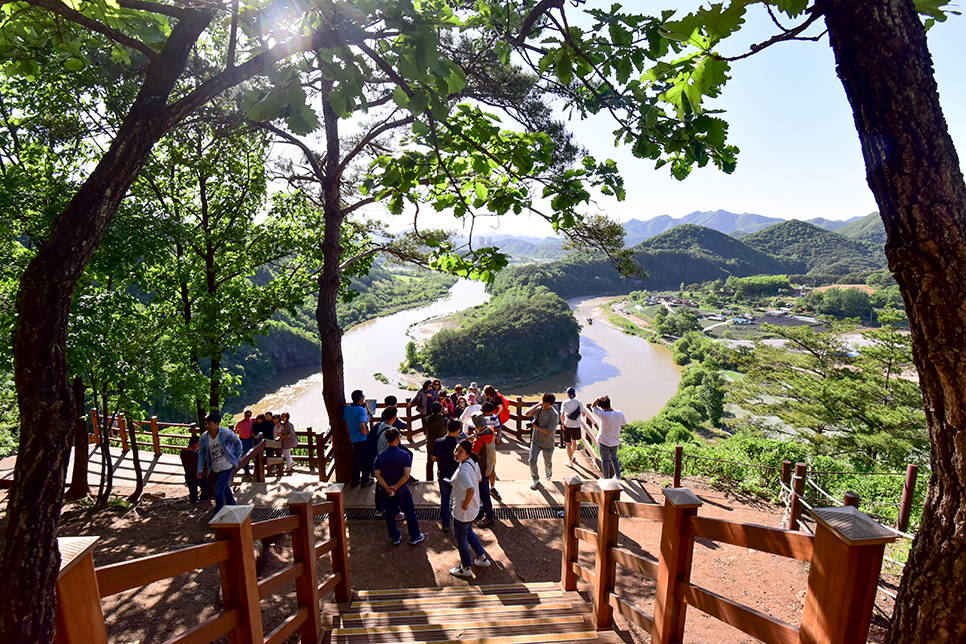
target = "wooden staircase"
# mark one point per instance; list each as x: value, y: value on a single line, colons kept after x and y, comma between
x: 499, y: 614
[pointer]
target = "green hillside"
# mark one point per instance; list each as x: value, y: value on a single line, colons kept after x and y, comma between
x: 868, y: 229
x: 816, y: 251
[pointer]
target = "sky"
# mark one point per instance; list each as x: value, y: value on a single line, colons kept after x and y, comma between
x: 800, y: 156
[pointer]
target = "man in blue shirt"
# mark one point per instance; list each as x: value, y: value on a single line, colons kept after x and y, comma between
x: 220, y: 450
x: 356, y: 418
x: 392, y: 473
x: 442, y: 454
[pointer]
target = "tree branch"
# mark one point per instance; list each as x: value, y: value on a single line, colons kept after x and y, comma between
x: 787, y: 34
x: 152, y: 7
x: 61, y: 9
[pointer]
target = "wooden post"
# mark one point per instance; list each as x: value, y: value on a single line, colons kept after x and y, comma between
x: 843, y: 576
x: 303, y: 551
x: 568, y: 578
x: 678, y: 457
x: 260, y: 465
x: 798, y: 485
x: 320, y: 452
x: 155, y: 439
x: 674, y: 566
x: 239, y: 582
x: 851, y: 498
x: 79, y: 616
x: 340, y: 555
x: 520, y: 417
x: 787, y: 473
x: 122, y: 430
x: 409, y: 419
x: 908, y: 494
x: 310, y: 444
x: 605, y: 569
x: 193, y: 429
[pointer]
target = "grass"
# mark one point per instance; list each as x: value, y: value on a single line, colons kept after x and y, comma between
x: 628, y: 327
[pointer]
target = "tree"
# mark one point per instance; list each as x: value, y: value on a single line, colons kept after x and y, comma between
x: 206, y: 192
x: 712, y: 395
x: 846, y: 404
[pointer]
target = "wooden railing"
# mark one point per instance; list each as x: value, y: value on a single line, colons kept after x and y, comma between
x: 318, y: 446
x: 81, y: 586
x: 845, y: 555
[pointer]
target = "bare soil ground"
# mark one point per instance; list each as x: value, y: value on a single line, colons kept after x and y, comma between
x: 523, y: 551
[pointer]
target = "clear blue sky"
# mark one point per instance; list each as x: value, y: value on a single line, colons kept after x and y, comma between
x: 800, y: 155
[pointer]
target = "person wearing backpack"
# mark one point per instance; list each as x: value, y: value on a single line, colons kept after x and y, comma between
x: 503, y: 413
x: 570, y: 412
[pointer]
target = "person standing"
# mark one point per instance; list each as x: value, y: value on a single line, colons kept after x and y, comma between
x: 609, y: 422
x: 289, y: 440
x: 472, y: 408
x: 189, y: 461
x: 220, y: 452
x: 392, y: 469
x: 442, y: 454
x: 435, y: 429
x: 545, y: 421
x: 244, y: 429
x: 356, y: 418
x: 570, y: 412
x: 466, y: 505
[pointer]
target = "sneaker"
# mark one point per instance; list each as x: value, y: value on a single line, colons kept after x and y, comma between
x: 482, y: 561
x: 397, y: 540
x: 444, y: 528
x: 380, y: 514
x: 412, y: 480
x: 460, y: 571
x: 495, y: 493
x: 419, y: 539
x: 484, y: 523
x: 535, y: 484
x: 367, y: 482
x: 549, y: 478
x: 400, y: 516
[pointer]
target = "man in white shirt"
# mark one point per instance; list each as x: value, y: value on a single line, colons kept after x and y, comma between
x: 609, y: 422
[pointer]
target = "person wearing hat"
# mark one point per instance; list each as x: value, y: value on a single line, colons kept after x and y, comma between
x: 220, y: 450
x: 472, y: 408
x: 570, y: 412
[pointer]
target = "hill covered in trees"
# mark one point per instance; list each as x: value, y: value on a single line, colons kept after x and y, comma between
x: 521, y: 332
x: 812, y: 250
x: 867, y: 229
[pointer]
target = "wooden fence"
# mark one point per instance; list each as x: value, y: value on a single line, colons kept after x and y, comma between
x: 845, y: 554
x: 81, y: 586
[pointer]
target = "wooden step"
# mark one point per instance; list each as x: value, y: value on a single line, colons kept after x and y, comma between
x: 532, y: 613
x: 455, y: 613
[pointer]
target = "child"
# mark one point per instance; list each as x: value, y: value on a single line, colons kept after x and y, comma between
x: 485, y: 425
x: 189, y: 460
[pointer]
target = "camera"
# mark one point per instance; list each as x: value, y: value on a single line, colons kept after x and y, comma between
x: 529, y: 425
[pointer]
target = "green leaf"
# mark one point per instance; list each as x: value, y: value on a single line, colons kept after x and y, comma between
x: 73, y: 64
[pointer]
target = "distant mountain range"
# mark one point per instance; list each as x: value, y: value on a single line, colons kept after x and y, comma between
x: 689, y: 253
x: 864, y: 229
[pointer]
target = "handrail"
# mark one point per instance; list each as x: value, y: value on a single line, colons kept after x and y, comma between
x: 79, y: 609
x: 842, y: 581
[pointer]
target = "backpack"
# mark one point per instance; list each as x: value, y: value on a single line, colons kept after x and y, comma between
x: 505, y: 414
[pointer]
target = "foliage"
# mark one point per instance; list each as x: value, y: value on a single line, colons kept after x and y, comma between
x: 712, y: 394
x: 752, y: 464
x: 842, y: 302
x: 815, y: 250
x: 845, y: 405
x: 520, y: 332
x: 678, y: 323
x: 759, y: 284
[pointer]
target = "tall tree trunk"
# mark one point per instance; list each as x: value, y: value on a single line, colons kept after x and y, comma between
x: 135, y: 458
x: 29, y: 558
x: 914, y: 172
x: 79, y: 487
x: 330, y: 333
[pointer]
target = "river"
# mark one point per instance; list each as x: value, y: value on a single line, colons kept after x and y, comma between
x: 639, y: 376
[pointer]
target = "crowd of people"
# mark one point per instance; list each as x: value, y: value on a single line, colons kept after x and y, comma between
x: 462, y: 431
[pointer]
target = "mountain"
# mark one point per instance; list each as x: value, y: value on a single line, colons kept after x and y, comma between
x: 720, y: 220
x: 816, y: 251
x: 689, y: 253
x: 868, y: 229
x: 549, y: 248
